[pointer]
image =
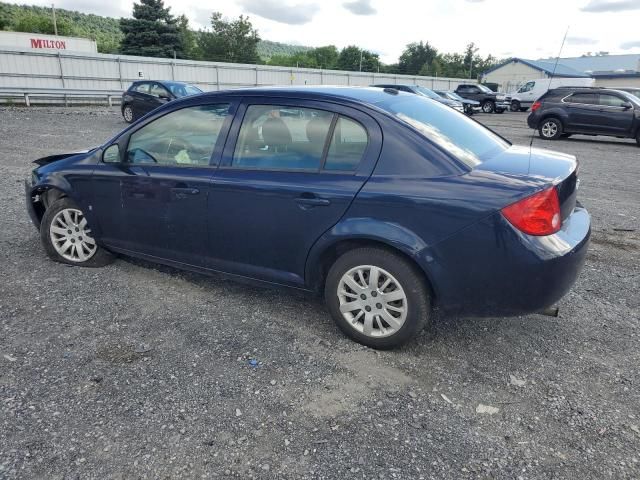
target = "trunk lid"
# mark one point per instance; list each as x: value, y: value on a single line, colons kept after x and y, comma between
x: 552, y: 168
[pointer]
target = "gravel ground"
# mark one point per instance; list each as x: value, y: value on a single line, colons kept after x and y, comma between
x: 136, y: 371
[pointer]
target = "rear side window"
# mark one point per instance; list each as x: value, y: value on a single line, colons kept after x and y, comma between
x: 611, y: 100
x: 347, y: 147
x: 183, y: 137
x: 462, y: 137
x: 282, y: 138
x: 584, y: 98
x: 141, y: 88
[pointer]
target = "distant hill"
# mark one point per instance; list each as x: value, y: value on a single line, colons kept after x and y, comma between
x: 267, y: 49
x: 104, y: 30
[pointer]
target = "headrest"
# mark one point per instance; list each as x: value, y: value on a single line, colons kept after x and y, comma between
x: 276, y: 132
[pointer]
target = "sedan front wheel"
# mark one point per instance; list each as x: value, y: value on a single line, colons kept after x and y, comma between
x: 377, y: 297
x: 67, y: 238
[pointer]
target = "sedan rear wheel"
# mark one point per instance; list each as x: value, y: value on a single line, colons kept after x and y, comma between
x: 67, y: 238
x: 377, y: 297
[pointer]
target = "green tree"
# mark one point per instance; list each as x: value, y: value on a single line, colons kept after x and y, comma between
x: 325, y: 57
x: 188, y: 39
x: 416, y: 57
x: 353, y: 58
x: 230, y: 41
x: 38, y: 23
x: 152, y: 32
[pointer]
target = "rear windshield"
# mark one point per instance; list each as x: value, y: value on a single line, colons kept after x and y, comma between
x: 462, y: 137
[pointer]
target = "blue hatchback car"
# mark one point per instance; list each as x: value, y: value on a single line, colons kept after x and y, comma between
x: 388, y: 204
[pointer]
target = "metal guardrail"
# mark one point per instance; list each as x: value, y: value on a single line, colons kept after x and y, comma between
x: 65, y: 94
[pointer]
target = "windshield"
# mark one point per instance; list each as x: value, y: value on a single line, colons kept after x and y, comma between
x: 462, y: 137
x: 428, y: 93
x: 455, y: 96
x: 485, y: 89
x: 180, y: 90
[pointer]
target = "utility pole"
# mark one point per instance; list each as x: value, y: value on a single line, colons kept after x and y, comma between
x: 470, y: 65
x: 55, y: 25
x: 360, y: 60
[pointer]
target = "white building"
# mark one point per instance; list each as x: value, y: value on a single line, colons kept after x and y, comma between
x: 607, y: 70
x: 37, y: 41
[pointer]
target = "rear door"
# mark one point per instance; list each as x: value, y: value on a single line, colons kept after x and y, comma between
x: 290, y: 170
x: 584, y: 115
x: 616, y: 119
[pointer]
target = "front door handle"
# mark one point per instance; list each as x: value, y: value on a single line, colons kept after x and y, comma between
x: 308, y: 202
x: 186, y: 190
x: 180, y: 193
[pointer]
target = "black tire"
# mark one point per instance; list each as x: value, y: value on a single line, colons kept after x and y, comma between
x: 638, y: 138
x: 468, y: 109
x: 409, y: 279
x: 99, y: 258
x: 128, y: 113
x: 550, y: 128
x: 499, y: 110
x: 488, y: 106
x: 515, y: 106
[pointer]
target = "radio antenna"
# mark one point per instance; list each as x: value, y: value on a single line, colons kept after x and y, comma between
x: 553, y: 73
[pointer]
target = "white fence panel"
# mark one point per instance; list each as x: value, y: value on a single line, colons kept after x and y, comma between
x: 26, y: 68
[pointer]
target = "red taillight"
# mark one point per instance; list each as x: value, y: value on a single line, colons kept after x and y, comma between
x: 536, y: 105
x: 538, y: 214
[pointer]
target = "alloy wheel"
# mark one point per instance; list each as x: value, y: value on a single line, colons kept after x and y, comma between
x: 549, y: 129
x: 487, y: 107
x: 70, y: 236
x: 372, y: 301
x: 128, y: 114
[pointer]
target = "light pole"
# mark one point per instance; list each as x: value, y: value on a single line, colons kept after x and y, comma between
x: 55, y: 24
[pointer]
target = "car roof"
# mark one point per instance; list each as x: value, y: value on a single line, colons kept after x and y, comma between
x: 363, y: 95
x: 162, y: 82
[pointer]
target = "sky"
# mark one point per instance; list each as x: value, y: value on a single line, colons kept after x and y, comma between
x: 503, y: 28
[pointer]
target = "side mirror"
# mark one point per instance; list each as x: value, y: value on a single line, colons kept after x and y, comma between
x: 165, y: 97
x: 627, y: 105
x: 111, y: 154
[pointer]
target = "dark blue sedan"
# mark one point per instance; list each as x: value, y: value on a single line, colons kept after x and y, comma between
x: 387, y: 203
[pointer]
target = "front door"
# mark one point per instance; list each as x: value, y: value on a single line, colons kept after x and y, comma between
x: 583, y: 110
x: 290, y: 176
x: 616, y: 119
x: 154, y: 201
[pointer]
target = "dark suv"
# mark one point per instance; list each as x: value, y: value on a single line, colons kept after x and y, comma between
x: 490, y: 101
x: 588, y: 111
x: 146, y: 95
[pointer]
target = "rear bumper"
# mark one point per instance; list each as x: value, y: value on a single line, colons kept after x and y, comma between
x: 499, y: 271
x: 532, y: 121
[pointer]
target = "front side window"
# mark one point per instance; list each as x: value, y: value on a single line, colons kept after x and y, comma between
x: 462, y: 137
x: 527, y: 87
x: 611, y: 100
x: 158, y: 90
x: 179, y: 90
x: 183, y: 137
x: 282, y: 138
